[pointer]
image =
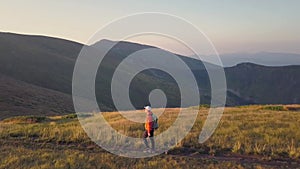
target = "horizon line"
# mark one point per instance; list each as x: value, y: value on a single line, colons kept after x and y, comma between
x: 82, y: 43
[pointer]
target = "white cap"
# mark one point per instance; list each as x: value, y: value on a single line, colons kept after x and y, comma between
x: 147, y: 107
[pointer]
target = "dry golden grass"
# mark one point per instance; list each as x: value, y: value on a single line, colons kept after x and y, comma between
x: 266, y: 131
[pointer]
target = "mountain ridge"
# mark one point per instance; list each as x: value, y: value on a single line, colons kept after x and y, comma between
x: 49, y: 62
x: 260, y: 58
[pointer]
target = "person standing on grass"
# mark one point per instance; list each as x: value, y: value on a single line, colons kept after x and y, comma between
x: 149, y: 129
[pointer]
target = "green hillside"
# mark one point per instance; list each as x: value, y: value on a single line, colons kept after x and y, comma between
x: 21, y: 98
x: 45, y: 62
x: 265, y: 85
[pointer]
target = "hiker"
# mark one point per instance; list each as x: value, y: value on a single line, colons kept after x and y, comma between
x: 150, y: 125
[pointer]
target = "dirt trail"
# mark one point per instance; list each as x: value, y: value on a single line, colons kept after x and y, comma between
x: 244, y: 159
x: 187, y: 153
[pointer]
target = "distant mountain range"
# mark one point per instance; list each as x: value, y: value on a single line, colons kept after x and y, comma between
x: 36, y: 78
x: 261, y: 58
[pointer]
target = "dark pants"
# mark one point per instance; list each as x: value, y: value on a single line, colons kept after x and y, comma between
x: 145, y: 135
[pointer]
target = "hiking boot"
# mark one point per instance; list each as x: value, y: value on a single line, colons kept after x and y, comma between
x: 147, y: 150
x: 152, y: 151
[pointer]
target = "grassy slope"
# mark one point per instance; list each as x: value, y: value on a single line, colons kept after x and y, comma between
x: 20, y: 98
x: 262, y: 136
x: 48, y: 62
x: 264, y: 85
x: 42, y: 61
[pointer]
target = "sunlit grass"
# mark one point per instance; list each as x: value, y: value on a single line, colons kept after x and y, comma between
x: 272, y: 133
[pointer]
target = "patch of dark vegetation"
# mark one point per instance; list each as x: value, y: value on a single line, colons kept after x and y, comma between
x: 293, y: 107
x: 26, y: 119
x: 70, y: 116
x: 274, y: 108
x: 282, y: 107
x: 15, y: 135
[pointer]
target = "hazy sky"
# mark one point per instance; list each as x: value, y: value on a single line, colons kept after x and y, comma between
x: 232, y: 25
